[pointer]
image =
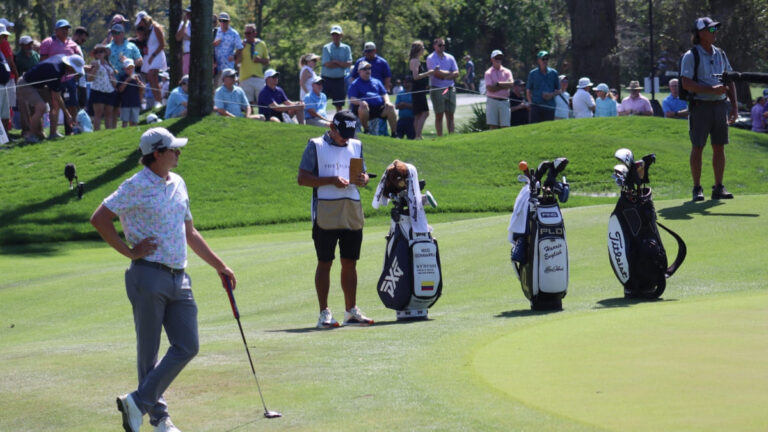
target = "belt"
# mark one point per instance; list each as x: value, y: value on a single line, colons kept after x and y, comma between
x: 498, y: 99
x: 157, y: 265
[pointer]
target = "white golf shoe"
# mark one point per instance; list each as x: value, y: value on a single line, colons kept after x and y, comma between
x: 326, y: 319
x: 166, y: 425
x: 355, y: 317
x: 132, y: 416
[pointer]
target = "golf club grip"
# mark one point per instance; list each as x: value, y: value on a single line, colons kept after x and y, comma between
x: 228, y: 287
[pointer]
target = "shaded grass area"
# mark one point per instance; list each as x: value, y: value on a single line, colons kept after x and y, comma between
x: 67, y: 344
x: 243, y: 173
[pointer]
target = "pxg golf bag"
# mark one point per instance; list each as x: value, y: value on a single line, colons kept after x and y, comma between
x: 637, y: 255
x: 537, y: 233
x: 411, y: 278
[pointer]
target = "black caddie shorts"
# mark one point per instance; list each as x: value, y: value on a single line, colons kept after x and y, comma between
x: 325, y: 243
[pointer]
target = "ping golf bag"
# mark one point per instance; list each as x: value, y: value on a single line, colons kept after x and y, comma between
x: 636, y: 252
x: 537, y: 233
x: 411, y: 278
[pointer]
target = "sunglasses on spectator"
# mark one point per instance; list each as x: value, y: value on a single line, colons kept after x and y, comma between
x: 249, y: 32
x: 441, y: 45
x: 367, y: 68
x: 545, y: 58
x: 712, y: 29
x: 221, y: 20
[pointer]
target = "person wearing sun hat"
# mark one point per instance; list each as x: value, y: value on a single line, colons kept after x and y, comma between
x: 583, y: 102
x: 635, y: 103
x: 336, y: 59
x: 153, y: 207
x: 709, y: 110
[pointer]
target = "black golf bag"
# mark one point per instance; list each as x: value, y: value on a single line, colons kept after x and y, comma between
x: 637, y: 255
x: 540, y: 253
x: 411, y: 277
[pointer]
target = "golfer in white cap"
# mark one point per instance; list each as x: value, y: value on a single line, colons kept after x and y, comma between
x: 153, y: 206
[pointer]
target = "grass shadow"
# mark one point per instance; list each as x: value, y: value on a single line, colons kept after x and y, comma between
x: 376, y: 324
x: 688, y: 208
x: 526, y: 313
x: 617, y: 302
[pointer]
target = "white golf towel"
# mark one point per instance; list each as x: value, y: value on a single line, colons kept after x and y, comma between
x: 3, y: 135
x: 519, y: 213
x: 416, y: 207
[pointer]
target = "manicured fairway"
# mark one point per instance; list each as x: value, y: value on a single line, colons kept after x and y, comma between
x: 67, y: 344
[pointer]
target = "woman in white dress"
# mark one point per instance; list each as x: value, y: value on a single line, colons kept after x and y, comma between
x: 154, y: 62
x: 307, y: 74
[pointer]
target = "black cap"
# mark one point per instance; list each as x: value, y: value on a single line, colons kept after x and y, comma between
x: 346, y: 123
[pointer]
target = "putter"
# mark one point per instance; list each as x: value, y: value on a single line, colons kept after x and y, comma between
x: 228, y: 287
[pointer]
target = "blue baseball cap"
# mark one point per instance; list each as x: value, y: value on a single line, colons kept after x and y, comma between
x: 62, y: 23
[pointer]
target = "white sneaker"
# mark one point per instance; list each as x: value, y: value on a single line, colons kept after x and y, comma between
x: 355, y: 317
x: 132, y: 416
x: 326, y: 319
x: 166, y: 425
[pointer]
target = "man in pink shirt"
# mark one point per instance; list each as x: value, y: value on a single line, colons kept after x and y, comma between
x: 498, y: 81
x: 635, y: 103
x: 61, y: 43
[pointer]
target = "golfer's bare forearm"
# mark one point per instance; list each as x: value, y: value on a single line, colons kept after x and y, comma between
x: 102, y: 220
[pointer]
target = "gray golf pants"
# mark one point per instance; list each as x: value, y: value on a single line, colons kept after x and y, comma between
x: 160, y: 299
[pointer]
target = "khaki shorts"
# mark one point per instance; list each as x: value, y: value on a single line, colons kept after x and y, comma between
x: 252, y: 87
x: 443, y: 102
x: 497, y: 112
x: 32, y: 96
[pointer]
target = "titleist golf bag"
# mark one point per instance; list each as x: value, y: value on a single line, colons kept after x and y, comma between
x: 637, y: 254
x: 537, y: 233
x: 411, y: 278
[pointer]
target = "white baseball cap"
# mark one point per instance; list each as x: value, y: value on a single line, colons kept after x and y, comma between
x: 153, y: 118
x: 75, y: 62
x: 159, y: 138
x: 496, y: 53
x: 4, y: 31
x: 25, y: 40
x: 128, y: 62
x: 270, y: 73
x: 336, y: 29
x: 602, y: 87
x: 139, y: 17
x: 6, y: 23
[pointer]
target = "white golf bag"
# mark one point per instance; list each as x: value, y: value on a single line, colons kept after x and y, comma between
x: 537, y: 233
x: 411, y: 277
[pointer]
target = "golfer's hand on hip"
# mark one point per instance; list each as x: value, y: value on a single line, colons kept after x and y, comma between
x: 143, y: 248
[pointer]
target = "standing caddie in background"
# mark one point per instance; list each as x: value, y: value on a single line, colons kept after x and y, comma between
x: 336, y: 58
x: 153, y: 206
x: 337, y: 215
x: 709, y: 112
x: 542, y: 88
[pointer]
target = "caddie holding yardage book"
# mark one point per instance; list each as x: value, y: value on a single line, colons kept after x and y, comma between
x: 337, y: 215
x: 153, y: 206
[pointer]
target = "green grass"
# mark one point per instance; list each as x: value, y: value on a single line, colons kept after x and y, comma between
x: 243, y: 173
x: 67, y: 344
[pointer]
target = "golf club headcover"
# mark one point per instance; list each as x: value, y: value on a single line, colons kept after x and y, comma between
x: 228, y: 288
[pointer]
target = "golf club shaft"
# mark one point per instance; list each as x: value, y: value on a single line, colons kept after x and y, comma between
x: 235, y: 311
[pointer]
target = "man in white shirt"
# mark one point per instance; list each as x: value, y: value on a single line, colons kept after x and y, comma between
x: 583, y: 102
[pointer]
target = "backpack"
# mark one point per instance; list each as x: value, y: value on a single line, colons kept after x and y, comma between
x: 684, y: 94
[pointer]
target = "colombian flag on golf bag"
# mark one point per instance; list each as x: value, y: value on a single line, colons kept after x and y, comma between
x: 411, y: 279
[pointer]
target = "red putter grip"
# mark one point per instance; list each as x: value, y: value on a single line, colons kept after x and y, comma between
x: 228, y: 287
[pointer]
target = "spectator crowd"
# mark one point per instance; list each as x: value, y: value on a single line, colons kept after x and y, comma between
x: 51, y: 81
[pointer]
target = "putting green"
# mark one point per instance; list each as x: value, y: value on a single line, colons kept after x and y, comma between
x: 671, y: 365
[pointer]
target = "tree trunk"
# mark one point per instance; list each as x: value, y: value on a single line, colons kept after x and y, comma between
x: 259, y: 17
x: 593, y: 40
x: 201, y: 60
x: 174, y: 19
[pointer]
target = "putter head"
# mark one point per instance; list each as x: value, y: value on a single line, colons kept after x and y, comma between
x: 625, y: 156
x: 272, y: 414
